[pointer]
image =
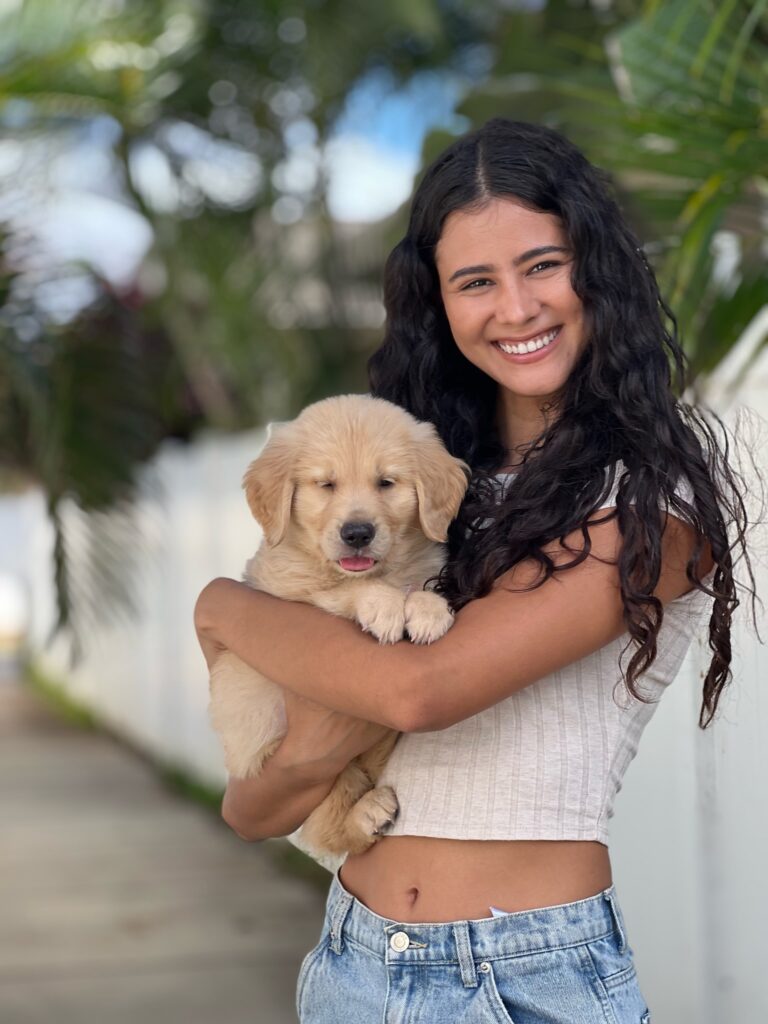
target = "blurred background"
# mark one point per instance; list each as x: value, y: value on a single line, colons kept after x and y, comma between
x: 196, y: 202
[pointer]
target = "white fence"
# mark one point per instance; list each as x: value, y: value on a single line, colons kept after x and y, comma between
x: 689, y: 836
x: 147, y: 678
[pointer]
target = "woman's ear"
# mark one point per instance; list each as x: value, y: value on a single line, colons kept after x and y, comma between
x: 268, y: 483
x: 441, y: 481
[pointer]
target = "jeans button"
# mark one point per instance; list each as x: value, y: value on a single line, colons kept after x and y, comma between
x: 399, y: 942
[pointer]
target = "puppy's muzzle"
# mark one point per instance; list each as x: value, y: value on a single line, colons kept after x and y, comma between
x: 357, y: 535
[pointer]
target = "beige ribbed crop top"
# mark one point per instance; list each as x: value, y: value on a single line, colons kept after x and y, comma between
x: 548, y: 761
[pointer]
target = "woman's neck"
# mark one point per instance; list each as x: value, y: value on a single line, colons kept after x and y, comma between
x: 521, y: 420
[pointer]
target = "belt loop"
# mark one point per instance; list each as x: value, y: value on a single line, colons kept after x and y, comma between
x: 610, y: 895
x: 338, y: 918
x: 464, y: 950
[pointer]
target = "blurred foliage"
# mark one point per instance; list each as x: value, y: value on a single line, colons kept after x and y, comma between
x: 208, y: 121
x: 58, y: 700
x: 250, y: 303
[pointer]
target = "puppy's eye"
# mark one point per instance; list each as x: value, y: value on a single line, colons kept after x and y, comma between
x: 325, y: 483
x: 386, y: 481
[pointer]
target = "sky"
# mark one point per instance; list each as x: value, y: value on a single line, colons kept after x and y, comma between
x: 375, y: 151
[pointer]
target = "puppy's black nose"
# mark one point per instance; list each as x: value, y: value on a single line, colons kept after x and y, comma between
x: 357, y: 535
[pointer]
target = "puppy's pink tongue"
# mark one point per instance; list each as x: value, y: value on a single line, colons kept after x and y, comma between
x: 355, y: 563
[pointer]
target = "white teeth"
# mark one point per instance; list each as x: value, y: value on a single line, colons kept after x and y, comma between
x: 529, y: 346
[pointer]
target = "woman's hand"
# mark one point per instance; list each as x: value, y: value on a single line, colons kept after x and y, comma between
x: 318, y: 745
x: 321, y: 741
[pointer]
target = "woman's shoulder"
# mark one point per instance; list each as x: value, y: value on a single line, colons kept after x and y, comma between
x: 615, y: 473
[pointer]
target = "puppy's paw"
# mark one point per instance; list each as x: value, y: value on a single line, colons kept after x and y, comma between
x: 427, y: 616
x: 372, y: 817
x: 382, y: 613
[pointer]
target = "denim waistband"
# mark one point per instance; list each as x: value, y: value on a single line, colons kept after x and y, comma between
x: 468, y: 942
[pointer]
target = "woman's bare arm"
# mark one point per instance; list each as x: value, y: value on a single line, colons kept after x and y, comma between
x: 317, y: 746
x: 274, y: 803
x: 497, y: 645
x: 296, y: 779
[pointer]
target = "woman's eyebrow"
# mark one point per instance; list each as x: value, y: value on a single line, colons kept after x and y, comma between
x: 488, y: 268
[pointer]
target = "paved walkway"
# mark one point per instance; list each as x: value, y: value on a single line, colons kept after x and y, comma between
x: 121, y: 903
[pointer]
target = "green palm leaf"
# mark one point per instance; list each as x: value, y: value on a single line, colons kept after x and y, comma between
x: 674, y: 101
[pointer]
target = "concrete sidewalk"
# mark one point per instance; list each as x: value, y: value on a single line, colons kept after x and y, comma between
x: 121, y: 903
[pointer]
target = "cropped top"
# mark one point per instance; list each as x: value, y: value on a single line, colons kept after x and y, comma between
x: 547, y: 761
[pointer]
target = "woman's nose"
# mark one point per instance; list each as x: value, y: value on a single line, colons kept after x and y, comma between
x: 516, y: 303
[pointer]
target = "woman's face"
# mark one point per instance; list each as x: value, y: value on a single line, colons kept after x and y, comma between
x: 505, y: 281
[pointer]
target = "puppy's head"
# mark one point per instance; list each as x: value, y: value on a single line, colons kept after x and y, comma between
x: 353, y: 481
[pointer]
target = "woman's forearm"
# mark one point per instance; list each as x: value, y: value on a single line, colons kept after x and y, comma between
x: 336, y: 664
x: 277, y: 801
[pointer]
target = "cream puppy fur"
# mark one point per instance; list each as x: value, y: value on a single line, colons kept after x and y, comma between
x: 354, y: 497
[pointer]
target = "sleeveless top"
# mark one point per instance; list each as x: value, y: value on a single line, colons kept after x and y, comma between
x: 547, y: 761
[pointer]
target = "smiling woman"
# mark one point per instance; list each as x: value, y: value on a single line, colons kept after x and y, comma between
x: 600, y: 520
x: 522, y: 311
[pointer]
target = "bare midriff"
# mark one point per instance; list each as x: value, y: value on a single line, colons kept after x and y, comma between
x: 420, y: 879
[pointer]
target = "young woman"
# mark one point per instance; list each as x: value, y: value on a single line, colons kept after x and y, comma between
x: 525, y: 323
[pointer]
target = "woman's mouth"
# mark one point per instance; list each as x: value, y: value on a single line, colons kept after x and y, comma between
x: 529, y: 351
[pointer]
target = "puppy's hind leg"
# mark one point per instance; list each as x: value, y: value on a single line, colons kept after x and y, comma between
x: 371, y: 818
x: 325, y: 828
x: 375, y: 812
x: 372, y: 761
x: 353, y: 815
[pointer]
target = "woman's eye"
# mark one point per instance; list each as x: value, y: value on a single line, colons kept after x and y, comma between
x: 546, y: 264
x: 479, y: 280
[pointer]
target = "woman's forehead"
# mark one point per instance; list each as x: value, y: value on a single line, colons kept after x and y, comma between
x: 501, y: 224
x: 495, y: 214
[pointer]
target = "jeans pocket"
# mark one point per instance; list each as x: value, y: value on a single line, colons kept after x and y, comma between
x: 615, y: 979
x: 306, y: 964
x: 613, y: 966
x: 493, y: 995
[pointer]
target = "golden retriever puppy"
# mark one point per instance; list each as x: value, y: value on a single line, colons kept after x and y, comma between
x: 354, y: 497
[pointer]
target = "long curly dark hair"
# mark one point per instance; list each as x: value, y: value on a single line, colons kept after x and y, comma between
x: 619, y: 402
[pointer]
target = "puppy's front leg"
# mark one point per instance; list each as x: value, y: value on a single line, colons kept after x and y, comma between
x: 377, y: 606
x: 380, y: 609
x: 427, y: 616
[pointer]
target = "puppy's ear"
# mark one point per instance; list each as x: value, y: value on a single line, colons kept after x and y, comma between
x: 441, y: 481
x: 268, y: 483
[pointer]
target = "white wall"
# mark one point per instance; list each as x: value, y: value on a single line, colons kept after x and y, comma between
x: 689, y: 835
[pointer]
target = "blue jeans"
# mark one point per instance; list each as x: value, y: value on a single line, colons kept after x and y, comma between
x: 568, y: 964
